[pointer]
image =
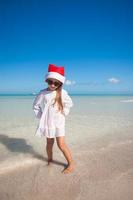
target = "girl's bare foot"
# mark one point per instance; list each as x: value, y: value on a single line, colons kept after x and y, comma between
x: 68, y: 169
x: 50, y: 161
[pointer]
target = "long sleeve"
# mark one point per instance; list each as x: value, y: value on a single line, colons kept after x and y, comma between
x: 67, y: 103
x: 37, y: 105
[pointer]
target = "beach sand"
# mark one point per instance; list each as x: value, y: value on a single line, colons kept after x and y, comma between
x: 102, y: 150
x: 102, y: 171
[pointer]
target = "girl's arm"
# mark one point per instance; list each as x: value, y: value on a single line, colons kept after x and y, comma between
x: 37, y: 105
x: 67, y: 103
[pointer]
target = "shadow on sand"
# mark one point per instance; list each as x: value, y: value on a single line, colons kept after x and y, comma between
x: 19, y: 145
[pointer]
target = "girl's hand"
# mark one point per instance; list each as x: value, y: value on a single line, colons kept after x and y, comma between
x: 63, y: 112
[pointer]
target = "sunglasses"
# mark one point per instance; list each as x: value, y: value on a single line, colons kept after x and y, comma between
x: 55, y: 83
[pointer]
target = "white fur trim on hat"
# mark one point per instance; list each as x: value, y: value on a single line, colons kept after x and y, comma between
x: 55, y: 75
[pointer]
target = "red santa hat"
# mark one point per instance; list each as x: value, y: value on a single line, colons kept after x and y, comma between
x: 56, y: 73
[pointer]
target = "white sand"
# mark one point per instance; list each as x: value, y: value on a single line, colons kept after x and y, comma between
x: 103, y: 170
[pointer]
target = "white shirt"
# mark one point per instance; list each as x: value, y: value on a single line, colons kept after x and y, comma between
x: 52, y: 121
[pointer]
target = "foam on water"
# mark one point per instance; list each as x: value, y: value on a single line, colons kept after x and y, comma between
x: 127, y: 101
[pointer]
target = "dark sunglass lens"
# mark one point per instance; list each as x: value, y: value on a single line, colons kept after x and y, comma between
x: 56, y: 84
x: 49, y: 82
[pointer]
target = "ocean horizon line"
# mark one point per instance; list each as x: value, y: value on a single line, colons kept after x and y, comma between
x: 71, y: 93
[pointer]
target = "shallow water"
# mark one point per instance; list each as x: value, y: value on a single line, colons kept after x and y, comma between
x: 91, y: 116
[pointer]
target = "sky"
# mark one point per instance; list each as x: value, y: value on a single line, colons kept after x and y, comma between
x: 91, y: 39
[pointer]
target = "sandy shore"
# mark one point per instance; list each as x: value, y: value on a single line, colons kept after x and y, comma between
x: 100, y: 136
x: 103, y: 170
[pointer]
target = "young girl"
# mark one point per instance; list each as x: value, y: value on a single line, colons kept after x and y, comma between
x: 51, y: 106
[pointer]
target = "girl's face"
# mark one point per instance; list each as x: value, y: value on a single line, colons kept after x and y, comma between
x: 53, y: 84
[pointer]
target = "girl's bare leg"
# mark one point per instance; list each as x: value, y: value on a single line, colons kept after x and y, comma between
x: 49, y: 146
x: 62, y: 146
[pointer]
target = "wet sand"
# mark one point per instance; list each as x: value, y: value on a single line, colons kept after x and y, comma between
x: 103, y: 170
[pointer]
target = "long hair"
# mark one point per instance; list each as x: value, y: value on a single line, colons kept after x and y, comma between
x: 58, y: 98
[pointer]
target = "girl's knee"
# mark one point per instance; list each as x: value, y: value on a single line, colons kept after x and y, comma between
x: 61, y: 145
